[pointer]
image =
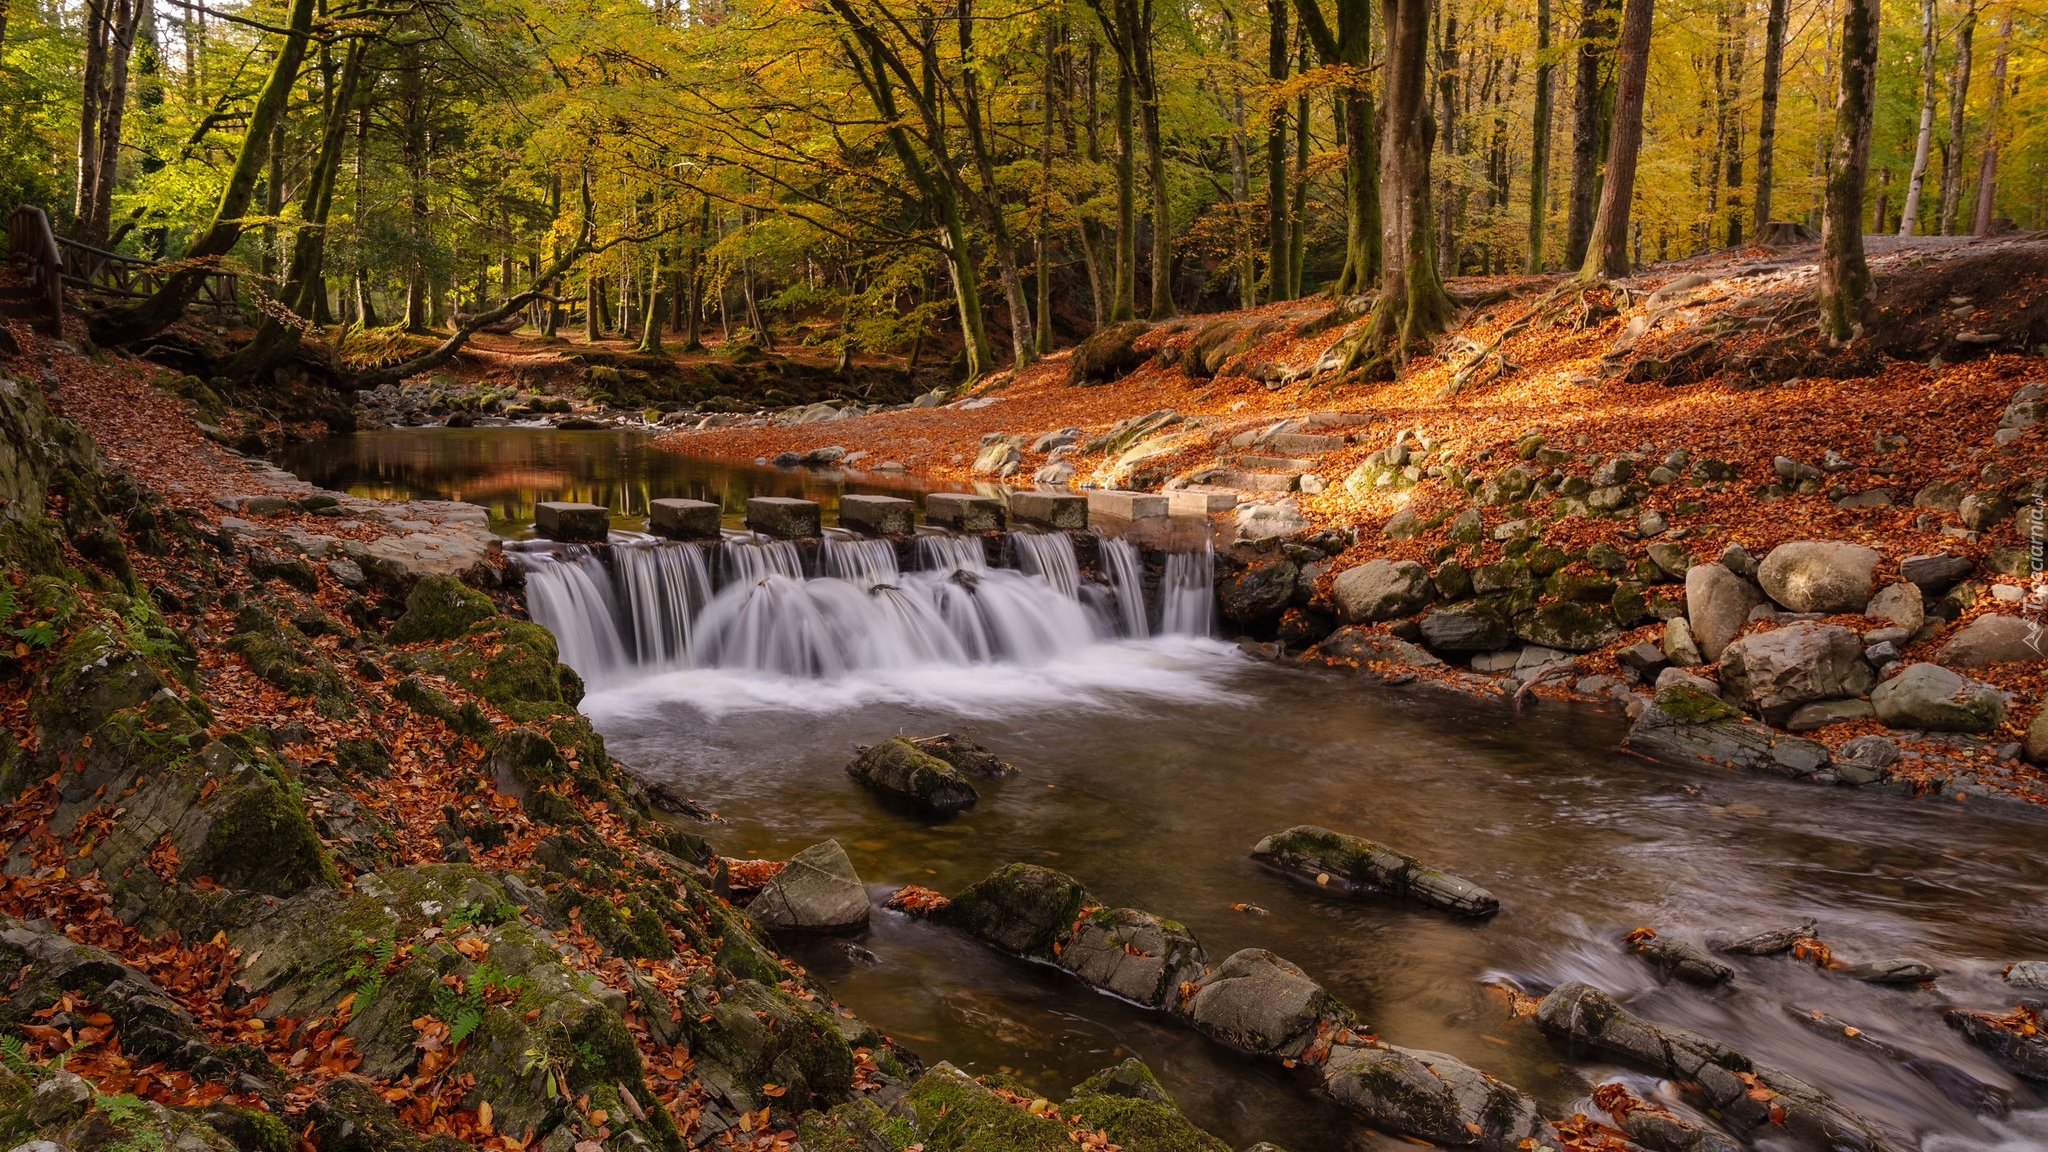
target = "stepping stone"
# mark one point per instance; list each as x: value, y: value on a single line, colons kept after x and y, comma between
x: 1196, y: 500
x: 1065, y: 510
x: 1123, y: 505
x: 1303, y: 443
x: 561, y: 520
x: 680, y: 519
x: 964, y: 512
x: 877, y: 515
x: 1251, y: 481
x: 1274, y: 463
x: 783, y: 517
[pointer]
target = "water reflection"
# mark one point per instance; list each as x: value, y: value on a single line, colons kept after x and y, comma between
x: 507, y: 470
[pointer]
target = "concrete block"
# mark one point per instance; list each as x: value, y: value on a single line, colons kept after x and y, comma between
x: 1126, y: 505
x: 684, y: 519
x: 877, y: 515
x: 1067, y: 510
x: 1198, y: 502
x: 964, y: 512
x: 783, y: 517
x: 561, y: 520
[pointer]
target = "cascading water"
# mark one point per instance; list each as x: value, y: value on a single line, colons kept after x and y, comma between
x: 1126, y: 574
x: 1187, y: 596
x: 638, y: 607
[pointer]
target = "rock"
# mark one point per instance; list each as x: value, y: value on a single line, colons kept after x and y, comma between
x: 1994, y: 639
x: 1671, y: 559
x: 1402, y: 525
x: 560, y: 520
x: 1466, y: 527
x: 1259, y: 593
x: 1894, y: 971
x: 999, y: 456
x: 1135, y: 955
x: 1126, y: 1104
x: 1679, y: 646
x: 818, y: 891
x: 964, y: 512
x: 1473, y: 626
x: 1932, y: 697
x: 2028, y: 974
x: 1430, y: 1096
x: 1381, y: 590
x: 901, y: 772
x: 1452, y: 580
x: 1057, y: 472
x: 1898, y: 603
x: 1792, y: 1111
x: 1819, y: 576
x: 1614, y: 470
x: 1023, y: 909
x: 784, y: 517
x: 1357, y: 647
x: 1942, y: 496
x: 1937, y: 573
x: 2015, y: 1038
x: 1771, y: 942
x: 1258, y: 1003
x: 1717, y: 604
x: 1061, y: 511
x: 1056, y: 439
x: 348, y: 574
x: 1983, y: 511
x: 1108, y: 354
x: 1267, y: 519
x: 1871, y: 752
x: 1351, y: 864
x: 1651, y: 523
x: 1773, y: 673
x: 1679, y: 959
x: 965, y: 755
x: 1508, y: 486
x: 1821, y: 713
x: 2035, y: 746
x: 1569, y: 626
x: 873, y: 515
x: 59, y: 1099
x: 1500, y: 576
x: 1645, y: 659
x: 1685, y: 725
x: 822, y: 456
x: 440, y: 608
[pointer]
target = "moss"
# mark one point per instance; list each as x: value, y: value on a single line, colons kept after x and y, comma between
x: 1023, y: 908
x: 291, y: 665
x: 856, y: 1126
x: 907, y: 775
x: 955, y: 1112
x: 440, y: 608
x: 1142, y: 1124
x: 249, y: 1129
x: 262, y: 839
x: 650, y: 940
x: 356, y: 759
x: 1690, y: 705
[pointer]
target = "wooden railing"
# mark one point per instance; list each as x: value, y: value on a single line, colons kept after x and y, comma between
x: 31, y: 241
x: 115, y: 274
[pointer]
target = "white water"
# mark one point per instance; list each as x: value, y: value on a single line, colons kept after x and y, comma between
x: 1188, y: 593
x: 640, y: 610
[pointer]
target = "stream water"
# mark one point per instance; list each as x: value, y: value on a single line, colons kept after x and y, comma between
x: 1151, y: 757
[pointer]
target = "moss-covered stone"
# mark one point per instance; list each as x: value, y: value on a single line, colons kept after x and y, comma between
x: 1352, y: 863
x: 953, y: 1111
x: 1690, y: 705
x: 904, y: 774
x: 1570, y: 626
x: 757, y: 1034
x: 1023, y: 909
x: 440, y: 608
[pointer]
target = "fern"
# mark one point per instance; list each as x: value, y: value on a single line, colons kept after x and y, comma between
x: 463, y: 1011
x: 366, y: 973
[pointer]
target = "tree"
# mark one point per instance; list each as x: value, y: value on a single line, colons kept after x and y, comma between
x: 1845, y: 285
x: 1592, y: 104
x: 1987, y: 167
x: 1909, y: 219
x: 1767, y: 120
x: 1539, y: 145
x: 1958, y: 95
x: 1349, y: 49
x: 1412, y: 305
x: 1607, y: 250
x: 1279, y: 277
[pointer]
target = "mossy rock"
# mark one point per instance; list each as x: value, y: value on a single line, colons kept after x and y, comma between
x: 1689, y: 705
x: 905, y: 774
x: 1350, y: 864
x: 260, y: 839
x: 127, y: 1124
x: 249, y: 1129
x: 1023, y: 909
x: 758, y: 1034
x: 1108, y: 354
x: 953, y: 1111
x: 859, y: 1125
x: 514, y: 665
x: 287, y: 661
x: 97, y: 674
x: 440, y: 608
x: 1127, y: 1103
x: 1569, y: 626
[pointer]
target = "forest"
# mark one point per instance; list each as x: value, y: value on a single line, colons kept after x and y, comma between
x: 986, y: 179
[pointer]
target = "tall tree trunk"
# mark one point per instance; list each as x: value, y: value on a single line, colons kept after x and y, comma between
x: 1279, y: 280
x: 1126, y: 299
x: 1044, y: 277
x: 1447, y: 136
x: 1412, y: 305
x: 990, y: 199
x: 1099, y: 304
x: 1539, y: 148
x: 1139, y: 13
x: 657, y: 310
x: 98, y: 20
x: 1909, y: 220
x: 1882, y: 210
x: 1592, y: 100
x: 1241, y: 191
x: 1297, y: 214
x: 273, y: 204
x: 1767, y: 120
x: 1738, y: 72
x: 1987, y: 168
x: 1607, y: 250
x: 122, y: 325
x: 1958, y: 96
x: 1845, y: 285
x: 113, y: 108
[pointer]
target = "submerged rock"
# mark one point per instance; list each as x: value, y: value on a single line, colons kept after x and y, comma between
x: 1771, y: 942
x: 1897, y: 970
x: 1685, y: 726
x: 817, y: 891
x: 902, y: 772
x: 965, y: 755
x: 1259, y: 1003
x: 1350, y: 862
x: 1431, y: 1096
x: 2028, y: 974
x: 1747, y: 1096
x: 1679, y: 959
x: 2015, y: 1038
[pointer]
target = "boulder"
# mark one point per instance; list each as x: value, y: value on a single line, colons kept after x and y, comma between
x: 902, y: 772
x: 1259, y: 593
x: 440, y: 608
x: 1937, y: 573
x: 2035, y: 746
x: 1822, y: 713
x: 1935, y: 698
x: 1569, y: 626
x: 1357, y: 647
x: 1790, y: 1110
x: 1685, y: 726
x: 2015, y: 1038
x: 1819, y: 576
x: 1773, y: 673
x: 1717, y: 605
x: 1108, y: 354
x: 1000, y: 455
x: 817, y: 891
x: 1126, y: 1104
x: 1899, y: 604
x: 1430, y: 1096
x: 2028, y: 974
x: 1473, y: 626
x: 1258, y: 1003
x: 965, y: 755
x: 1679, y: 647
x: 1381, y: 590
x: 1135, y: 955
x: 1679, y: 959
x: 1023, y: 909
x: 1994, y: 639
x: 1352, y: 864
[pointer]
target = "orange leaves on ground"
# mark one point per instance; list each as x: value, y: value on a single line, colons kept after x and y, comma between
x: 916, y: 900
x: 2021, y: 1021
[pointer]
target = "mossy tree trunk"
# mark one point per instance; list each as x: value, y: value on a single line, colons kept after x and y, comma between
x: 1412, y: 305
x: 1607, y: 251
x: 1845, y: 285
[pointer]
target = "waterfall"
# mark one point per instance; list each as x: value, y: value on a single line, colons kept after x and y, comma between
x: 632, y: 607
x: 1126, y: 572
x: 1188, y: 593
x: 1050, y: 557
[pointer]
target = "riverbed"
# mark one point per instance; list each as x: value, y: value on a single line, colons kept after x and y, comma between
x: 1147, y: 768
